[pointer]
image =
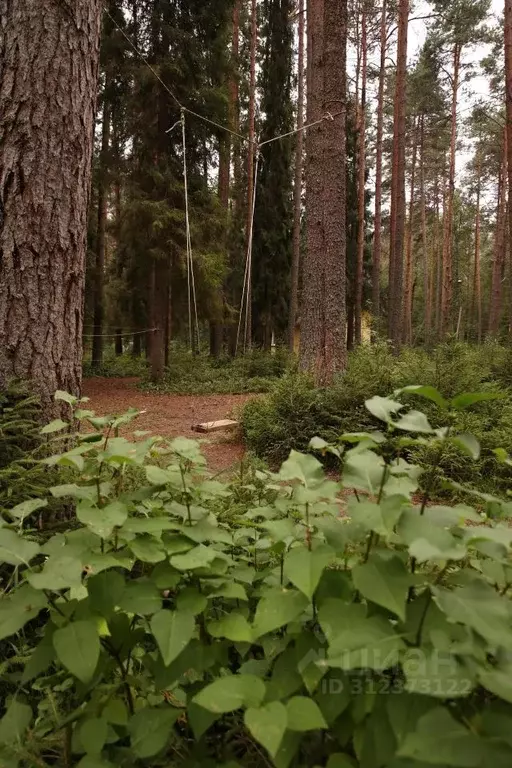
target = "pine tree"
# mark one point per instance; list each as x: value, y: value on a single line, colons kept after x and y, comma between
x: 46, y: 135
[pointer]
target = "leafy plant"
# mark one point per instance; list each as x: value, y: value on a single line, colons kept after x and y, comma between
x: 284, y: 619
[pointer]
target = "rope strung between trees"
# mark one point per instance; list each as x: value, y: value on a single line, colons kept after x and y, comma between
x: 118, y: 335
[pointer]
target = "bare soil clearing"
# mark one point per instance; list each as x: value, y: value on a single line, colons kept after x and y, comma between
x: 171, y: 415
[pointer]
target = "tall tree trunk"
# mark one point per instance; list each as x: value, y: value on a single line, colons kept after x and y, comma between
x: 409, y: 267
x: 396, y: 256
x: 297, y: 190
x: 48, y: 76
x: 99, y: 271
x: 159, y: 302
x: 500, y: 242
x: 477, y: 287
x: 427, y: 305
x: 361, y: 175
x: 447, y: 266
x: 323, y: 332
x: 377, y: 234
x: 508, y: 89
x: 250, y: 161
x: 234, y: 103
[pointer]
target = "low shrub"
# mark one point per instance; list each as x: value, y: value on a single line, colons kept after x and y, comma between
x: 191, y: 622
x: 116, y: 366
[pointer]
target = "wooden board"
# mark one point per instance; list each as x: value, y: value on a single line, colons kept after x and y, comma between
x: 215, y: 426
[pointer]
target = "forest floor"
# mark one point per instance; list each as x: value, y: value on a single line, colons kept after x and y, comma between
x: 171, y: 415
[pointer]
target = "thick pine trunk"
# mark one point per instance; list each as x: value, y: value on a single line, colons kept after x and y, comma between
x: 508, y: 76
x: 324, y: 331
x: 99, y: 271
x: 396, y: 256
x: 297, y: 190
x: 447, y: 266
x: 159, y: 302
x: 377, y: 234
x: 361, y: 174
x: 251, y: 154
x: 48, y: 75
x: 234, y: 104
x: 409, y: 266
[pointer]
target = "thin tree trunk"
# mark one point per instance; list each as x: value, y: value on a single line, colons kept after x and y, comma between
x: 396, y: 258
x: 427, y: 308
x: 250, y: 161
x: 508, y: 90
x: 361, y: 139
x: 99, y: 271
x: 158, y: 307
x: 477, y: 287
x: 377, y: 235
x: 234, y: 102
x: 297, y: 190
x: 48, y: 76
x: 447, y: 266
x: 499, y: 251
x: 408, y: 292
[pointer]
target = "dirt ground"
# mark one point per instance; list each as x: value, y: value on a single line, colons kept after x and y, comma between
x: 172, y: 415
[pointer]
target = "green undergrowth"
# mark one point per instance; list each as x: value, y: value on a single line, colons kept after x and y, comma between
x: 200, y: 374
x: 116, y: 366
x: 185, y: 621
x: 295, y: 411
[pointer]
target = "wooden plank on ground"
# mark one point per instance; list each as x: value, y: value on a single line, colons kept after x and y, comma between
x: 215, y: 426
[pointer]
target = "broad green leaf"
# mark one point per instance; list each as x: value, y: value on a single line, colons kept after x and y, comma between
x: 159, y: 476
x: 340, y: 761
x: 75, y: 491
x: 379, y: 518
x: 173, y: 631
x: 334, y: 695
x: 19, y: 607
x: 15, y: 722
x: 405, y: 710
x: 16, y: 550
x: 141, y: 596
x: 94, y: 761
x: 356, y: 640
x: 26, y: 508
x: 204, y: 531
x: 497, y: 680
x: 147, y: 549
x: 232, y: 626
x: 230, y: 591
x: 150, y: 730
x: 102, y: 521
x: 304, y: 568
x: 187, y: 449
x: 268, y: 724
x: 468, y: 444
x: 192, y: 601
x: 285, y: 678
x: 461, y: 402
x: 165, y: 576
x: 93, y: 735
x: 302, y: 467
x: 437, y: 674
x: 198, y: 557
x: 78, y: 648
x: 304, y: 714
x: 384, y: 581
x: 54, y: 426
x: 65, y: 397
x: 277, y: 608
x: 226, y: 694
x: 480, y: 607
x: 105, y: 591
x: 383, y: 408
x: 439, y: 739
x: 42, y: 656
x: 363, y: 471
x: 427, y: 541
x: 115, y: 712
x: 281, y: 530
x: 414, y: 421
x: 430, y: 393
x: 200, y: 719
x: 58, y: 572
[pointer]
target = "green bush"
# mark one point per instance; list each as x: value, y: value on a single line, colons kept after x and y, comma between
x: 191, y: 622
x: 116, y: 366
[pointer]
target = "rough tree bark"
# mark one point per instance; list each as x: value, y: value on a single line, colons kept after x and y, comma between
x: 427, y: 302
x: 500, y: 243
x: 396, y: 256
x: 251, y: 151
x: 297, y: 190
x: 323, y: 331
x: 48, y: 73
x: 377, y: 234
x: 477, y: 283
x: 99, y: 271
x: 447, y: 266
x: 361, y: 174
x: 409, y: 270
x: 508, y: 76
